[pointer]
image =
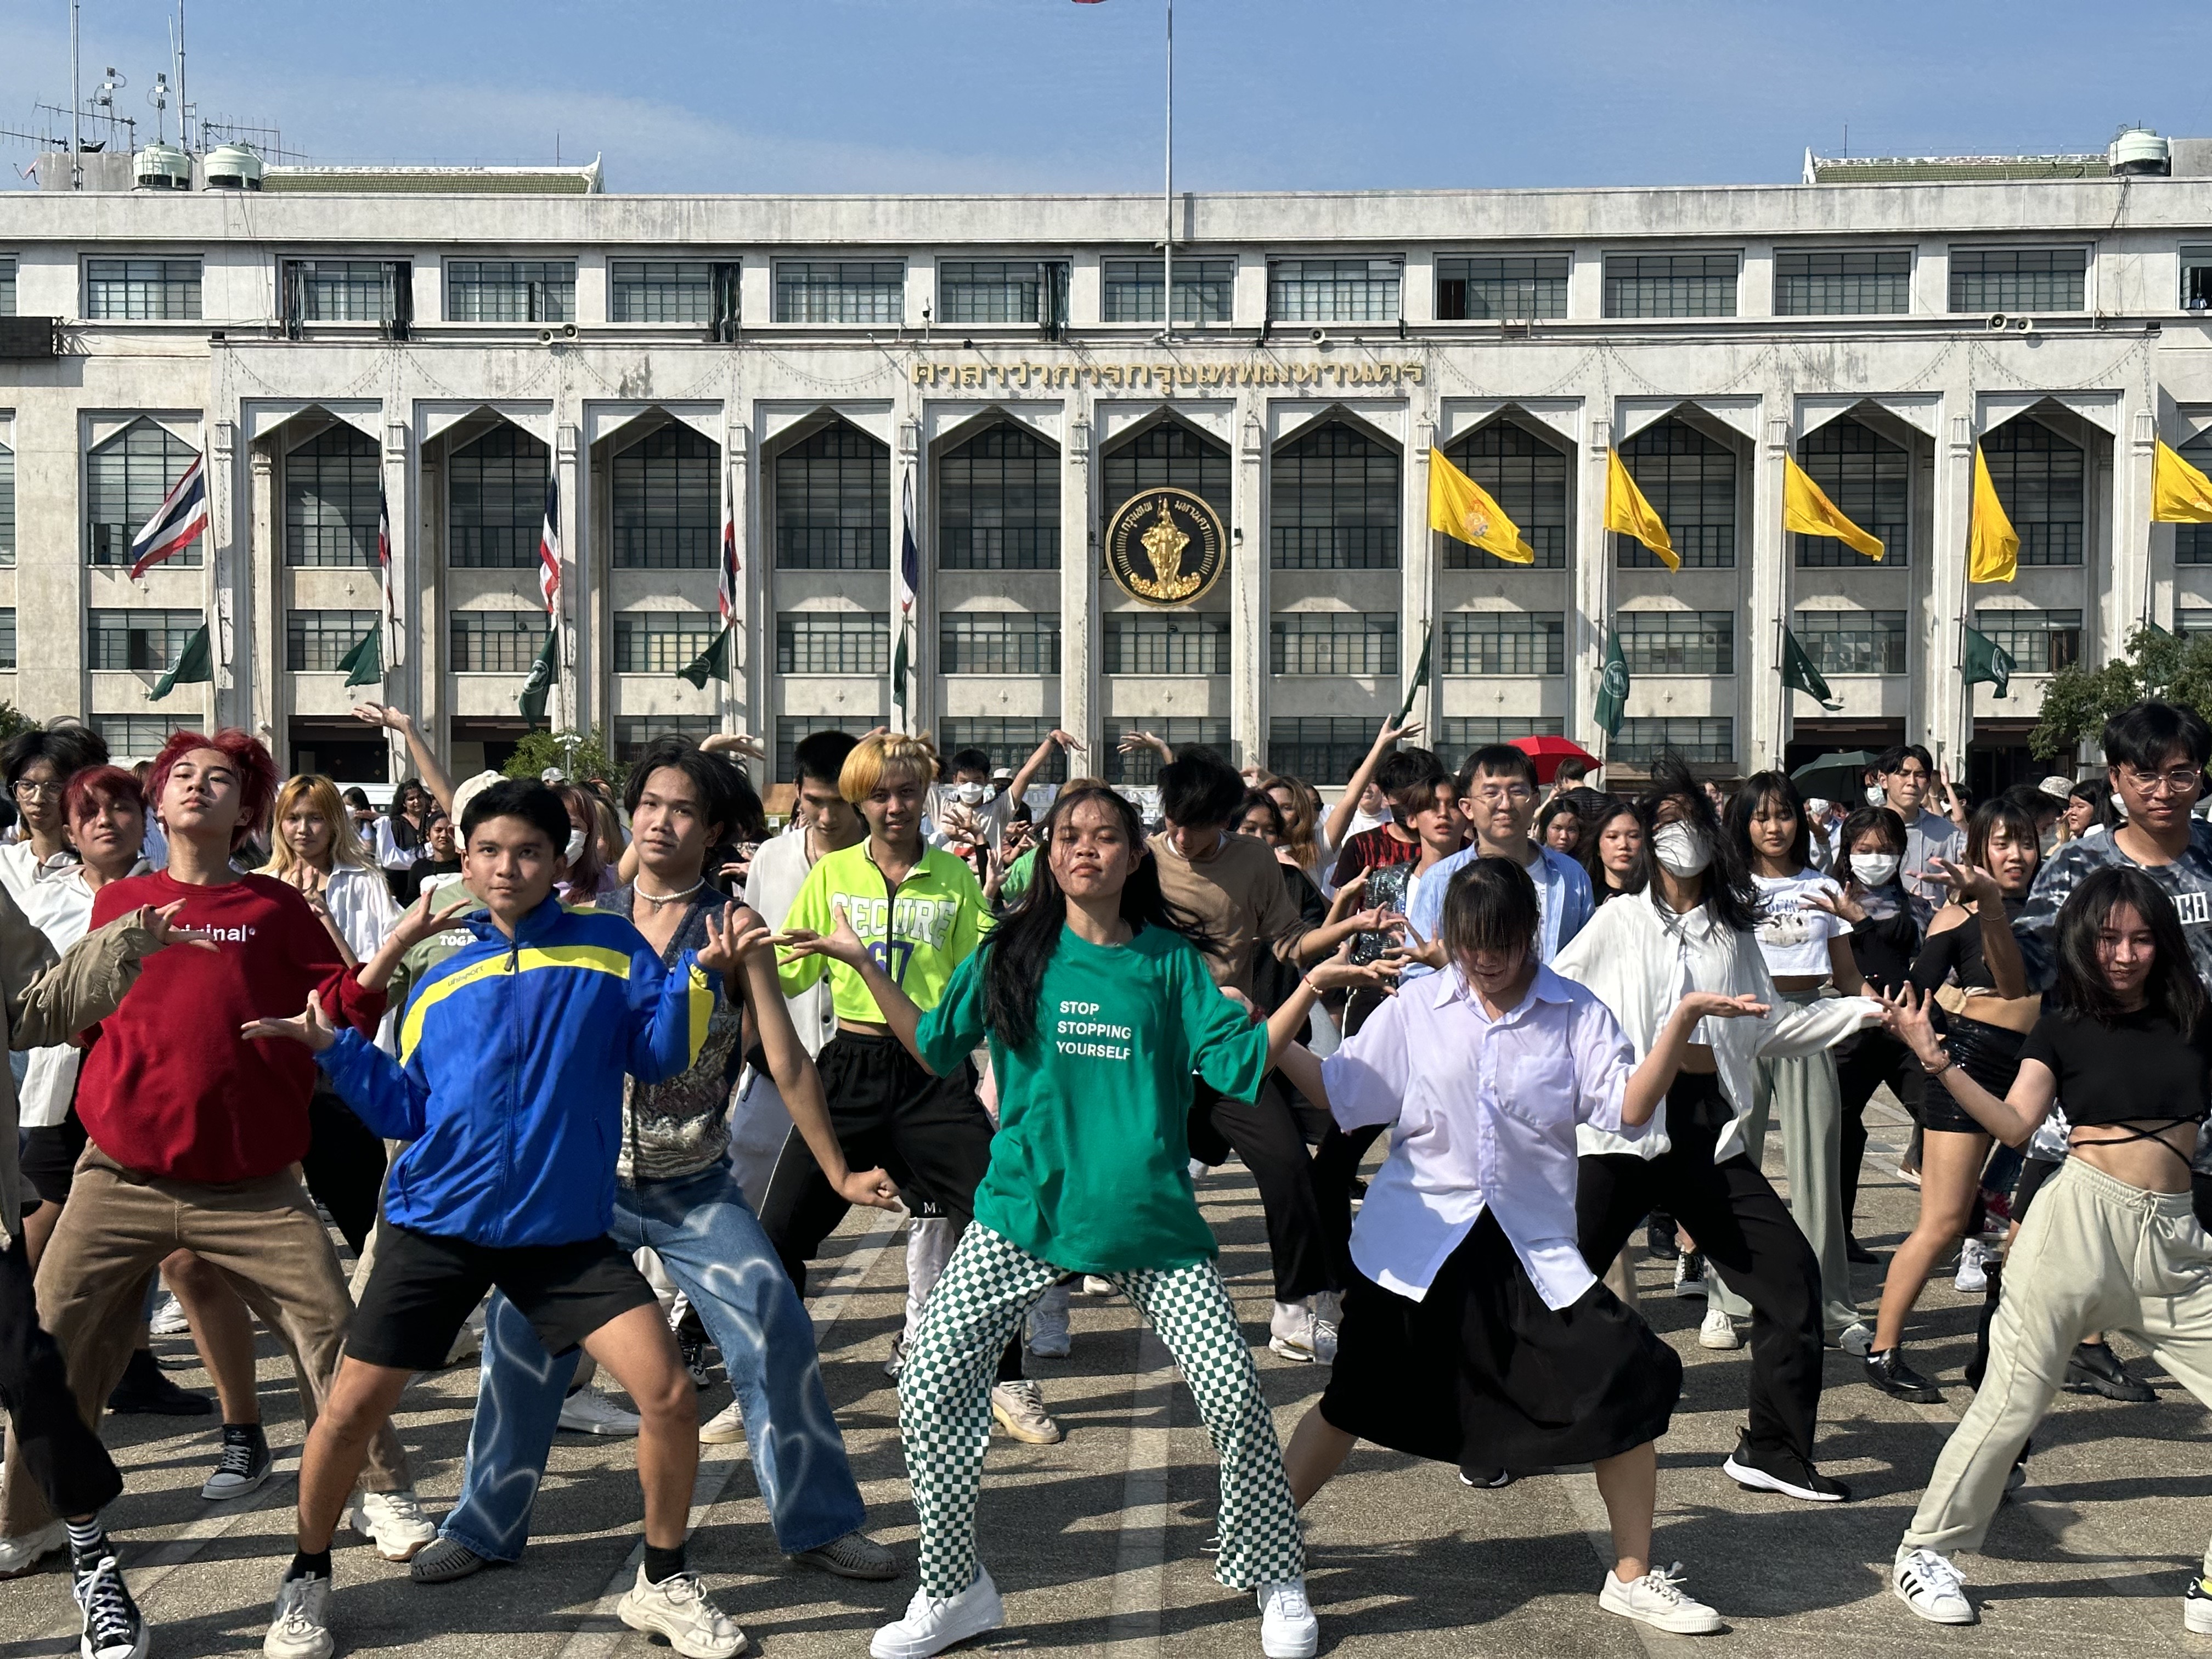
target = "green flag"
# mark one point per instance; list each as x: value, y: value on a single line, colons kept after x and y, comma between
x: 713, y: 663
x: 194, y: 665
x: 365, y: 663
x: 1987, y: 662
x: 1420, y: 674
x: 533, y: 701
x: 1612, y: 685
x: 1798, y: 673
x: 898, y: 673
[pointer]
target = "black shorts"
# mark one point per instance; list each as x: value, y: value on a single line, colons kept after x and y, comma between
x: 1988, y: 1054
x: 423, y: 1286
x: 50, y: 1156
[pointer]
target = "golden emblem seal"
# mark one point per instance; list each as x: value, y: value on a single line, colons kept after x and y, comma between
x: 1165, y: 545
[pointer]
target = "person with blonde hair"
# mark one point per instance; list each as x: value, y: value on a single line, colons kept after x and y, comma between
x: 316, y: 849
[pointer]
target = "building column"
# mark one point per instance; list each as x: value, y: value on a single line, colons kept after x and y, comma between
x: 2135, y: 588
x: 1417, y: 586
x: 572, y: 680
x: 429, y: 639
x: 1080, y: 701
x: 1248, y: 592
x: 403, y: 631
x: 1593, y: 587
x: 1765, y: 701
x: 1945, y: 695
x: 259, y: 704
x: 907, y: 467
x: 736, y: 707
x: 236, y: 681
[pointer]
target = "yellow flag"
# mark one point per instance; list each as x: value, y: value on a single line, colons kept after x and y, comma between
x: 1992, y: 544
x: 2180, y: 493
x: 1806, y: 509
x: 1464, y: 511
x: 1627, y: 512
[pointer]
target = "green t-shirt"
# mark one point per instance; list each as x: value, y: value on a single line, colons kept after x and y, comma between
x: 1020, y: 874
x: 1090, y: 1169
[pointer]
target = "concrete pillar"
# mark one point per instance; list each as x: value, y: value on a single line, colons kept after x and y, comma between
x: 1081, y: 710
x: 426, y: 523
x: 1247, y: 591
x: 735, y: 704
x: 264, y: 556
x: 2135, y: 590
x: 1764, y: 703
x: 907, y: 466
x: 406, y: 630
x: 570, y: 706
x: 1593, y: 584
x: 1949, y: 721
x: 1417, y: 559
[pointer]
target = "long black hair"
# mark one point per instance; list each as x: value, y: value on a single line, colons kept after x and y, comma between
x: 404, y: 832
x: 1595, y: 817
x: 1729, y: 892
x: 2172, y: 989
x: 1021, y: 947
x: 1755, y: 791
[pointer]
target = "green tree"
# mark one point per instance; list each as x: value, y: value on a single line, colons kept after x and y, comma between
x: 577, y: 755
x: 12, y: 720
x: 2156, y: 664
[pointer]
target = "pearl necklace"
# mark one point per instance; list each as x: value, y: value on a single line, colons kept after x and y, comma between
x: 659, y: 899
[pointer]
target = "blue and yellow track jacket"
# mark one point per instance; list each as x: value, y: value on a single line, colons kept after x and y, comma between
x: 509, y: 1079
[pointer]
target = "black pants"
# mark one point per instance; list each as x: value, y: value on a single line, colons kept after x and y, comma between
x: 1266, y: 1136
x: 345, y: 1164
x: 1872, y: 1059
x: 1745, y: 1230
x: 62, y: 1457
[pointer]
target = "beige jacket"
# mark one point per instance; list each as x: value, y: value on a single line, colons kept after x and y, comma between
x: 43, y: 1002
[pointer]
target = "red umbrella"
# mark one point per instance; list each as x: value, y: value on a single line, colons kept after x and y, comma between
x: 1548, y: 752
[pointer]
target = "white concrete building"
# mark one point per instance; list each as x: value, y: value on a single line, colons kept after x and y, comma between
x: 451, y: 338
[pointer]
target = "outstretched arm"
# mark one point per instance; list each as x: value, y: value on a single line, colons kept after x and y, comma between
x: 425, y: 758
x: 1348, y: 803
x: 2012, y: 1119
x: 1649, y: 1083
x: 1038, y: 757
x: 844, y: 946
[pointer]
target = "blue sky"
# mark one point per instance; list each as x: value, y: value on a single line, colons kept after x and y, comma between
x: 869, y: 95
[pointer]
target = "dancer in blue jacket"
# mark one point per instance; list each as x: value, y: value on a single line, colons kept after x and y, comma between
x: 509, y: 1088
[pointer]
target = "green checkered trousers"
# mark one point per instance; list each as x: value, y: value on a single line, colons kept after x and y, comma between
x: 944, y: 1405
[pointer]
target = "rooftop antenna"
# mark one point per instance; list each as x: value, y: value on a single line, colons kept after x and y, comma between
x: 76, y: 105
x: 177, y: 49
x: 159, y: 98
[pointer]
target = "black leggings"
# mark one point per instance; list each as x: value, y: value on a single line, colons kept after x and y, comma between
x: 1870, y: 1059
x: 62, y: 1457
x: 345, y: 1166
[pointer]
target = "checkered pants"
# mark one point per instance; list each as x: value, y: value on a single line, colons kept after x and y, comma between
x: 944, y: 1405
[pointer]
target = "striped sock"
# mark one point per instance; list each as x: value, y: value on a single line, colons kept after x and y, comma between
x: 89, y: 1539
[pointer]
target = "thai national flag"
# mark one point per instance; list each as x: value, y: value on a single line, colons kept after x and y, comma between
x: 181, y: 516
x: 549, y: 548
x: 727, y: 589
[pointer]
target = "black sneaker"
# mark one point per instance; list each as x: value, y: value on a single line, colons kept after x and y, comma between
x: 2095, y: 1368
x: 1886, y: 1370
x: 1777, y: 1470
x: 113, y: 1627
x: 1857, y: 1254
x: 1659, y: 1237
x: 245, y: 1463
x: 695, y: 1360
x: 145, y: 1391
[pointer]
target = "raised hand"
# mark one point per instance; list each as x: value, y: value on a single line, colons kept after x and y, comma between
x: 1396, y: 731
x: 1066, y: 740
x: 1904, y: 1016
x: 843, y: 945
x: 385, y: 714
x: 418, y: 921
x: 312, y: 1027
x: 162, y: 925
x: 1711, y: 1005
x: 727, y: 945
x: 736, y: 743
x: 1967, y: 882
x: 1837, y: 902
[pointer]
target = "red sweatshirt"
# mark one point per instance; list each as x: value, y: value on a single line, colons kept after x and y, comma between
x: 170, y: 1088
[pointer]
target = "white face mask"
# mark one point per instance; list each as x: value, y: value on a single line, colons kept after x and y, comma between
x: 1874, y: 869
x: 576, y: 848
x: 1681, y: 850
x: 970, y: 793
x: 1874, y: 795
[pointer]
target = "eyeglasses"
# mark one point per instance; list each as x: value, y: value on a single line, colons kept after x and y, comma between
x: 1514, y: 793
x: 26, y: 789
x: 2174, y: 780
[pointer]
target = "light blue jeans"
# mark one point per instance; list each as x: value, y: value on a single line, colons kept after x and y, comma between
x: 715, y: 1251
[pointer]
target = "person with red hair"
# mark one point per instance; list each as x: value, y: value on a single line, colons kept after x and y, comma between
x: 196, y: 1134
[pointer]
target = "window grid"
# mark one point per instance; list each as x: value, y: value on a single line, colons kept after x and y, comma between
x: 1463, y: 734
x: 348, y: 290
x: 1873, y: 283
x: 840, y: 291
x: 7, y: 287
x: 1142, y: 766
x: 7, y: 506
x: 1205, y: 290
x: 1670, y: 284
x: 497, y: 642
x: 660, y: 290
x: 1678, y: 641
x: 1002, y: 291
x: 1697, y: 739
x: 1335, y: 642
x: 1333, y: 502
x: 998, y: 503
x: 2192, y: 542
x: 332, y: 485
x: 1333, y: 290
x: 1007, y: 742
x: 1852, y: 642
x: 315, y: 640
x: 2018, y: 278
x: 1325, y: 750
x: 1527, y: 478
x: 2196, y: 279
x: 998, y: 642
x: 496, y: 501
x: 129, y: 642
x: 667, y: 508
x: 1185, y: 642
x: 1169, y: 454
x: 138, y: 290
x: 1506, y: 643
x: 136, y: 736
x: 1521, y: 286
x: 2192, y: 619
x: 1870, y: 481
x: 661, y: 642
x: 791, y: 730
x: 8, y: 638
x: 1690, y: 481
x: 833, y: 642
x: 635, y: 733
x: 125, y: 480
x: 2038, y: 641
x: 833, y: 508
x: 511, y: 290
x: 2041, y: 478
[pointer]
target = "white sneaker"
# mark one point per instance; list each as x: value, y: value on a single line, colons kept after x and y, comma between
x: 1093, y: 1285
x: 934, y: 1624
x: 677, y: 1608
x: 1048, y: 1325
x: 1718, y: 1331
x: 393, y: 1521
x: 20, y: 1557
x: 1019, y: 1408
x: 724, y: 1427
x: 168, y: 1318
x: 301, y: 1627
x: 1659, y: 1601
x: 1972, y: 1278
x: 1288, y: 1629
x: 1855, y: 1340
x: 588, y: 1412
x: 1930, y: 1586
x: 1299, y: 1333
x: 897, y: 1362
x: 1199, y: 1169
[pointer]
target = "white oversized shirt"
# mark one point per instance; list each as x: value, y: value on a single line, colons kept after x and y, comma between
x: 1483, y: 1115
x: 50, y: 1074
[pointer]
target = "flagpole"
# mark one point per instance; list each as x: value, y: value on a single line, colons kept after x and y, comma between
x: 1167, y: 192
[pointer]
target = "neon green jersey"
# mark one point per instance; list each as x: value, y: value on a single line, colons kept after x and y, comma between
x: 918, y: 934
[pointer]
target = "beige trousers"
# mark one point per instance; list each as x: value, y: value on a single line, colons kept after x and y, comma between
x: 2094, y: 1254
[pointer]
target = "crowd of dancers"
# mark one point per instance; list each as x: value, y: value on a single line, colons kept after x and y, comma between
x: 583, y: 1082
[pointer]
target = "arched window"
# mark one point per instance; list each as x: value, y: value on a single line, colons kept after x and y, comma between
x: 1168, y: 454
x: 1690, y: 481
x: 998, y: 503
x: 1529, y: 479
x: 126, y: 478
x: 332, y: 485
x: 1333, y: 504
x: 496, y: 501
x: 667, y: 506
x: 1869, y: 480
x: 2039, y: 477
x: 833, y: 509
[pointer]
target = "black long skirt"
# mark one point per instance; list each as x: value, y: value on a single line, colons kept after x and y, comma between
x: 1482, y: 1374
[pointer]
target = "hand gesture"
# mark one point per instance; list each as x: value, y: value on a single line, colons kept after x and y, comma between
x: 1340, y: 973
x: 728, y: 944
x: 1066, y: 740
x: 1969, y: 883
x: 1905, y: 1017
x: 1251, y: 1009
x: 1837, y: 902
x: 736, y: 743
x: 309, y: 880
x: 1394, y: 731
x: 1381, y: 919
x: 418, y: 921
x: 162, y: 925
x: 1711, y: 1005
x: 870, y: 1187
x: 312, y: 1027
x: 843, y: 945
x: 388, y: 716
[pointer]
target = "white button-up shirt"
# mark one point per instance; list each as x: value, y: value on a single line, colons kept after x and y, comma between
x: 1482, y: 1114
